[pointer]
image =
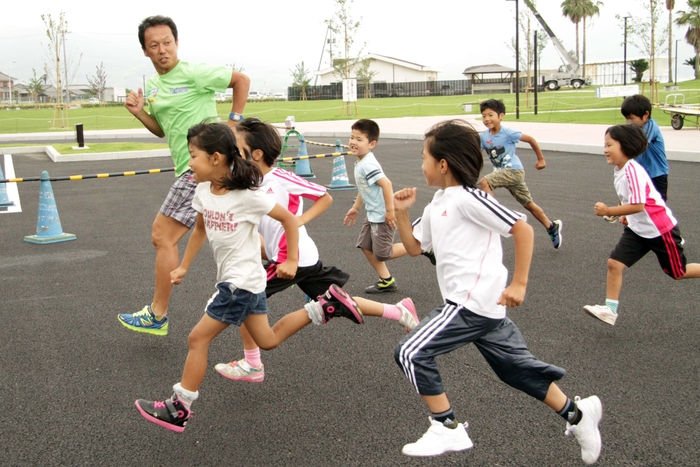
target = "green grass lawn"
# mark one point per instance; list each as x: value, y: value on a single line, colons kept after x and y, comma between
x: 564, y: 106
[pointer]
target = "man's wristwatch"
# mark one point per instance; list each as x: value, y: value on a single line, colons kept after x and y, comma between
x: 236, y: 117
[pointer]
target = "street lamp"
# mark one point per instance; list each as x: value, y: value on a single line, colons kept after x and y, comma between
x: 675, y: 73
x: 624, y: 71
x: 517, y: 61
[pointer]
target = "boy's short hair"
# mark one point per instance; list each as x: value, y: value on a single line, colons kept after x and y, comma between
x: 367, y: 127
x: 496, y: 105
x: 632, y: 139
x: 637, y: 105
x: 152, y: 21
x: 459, y: 144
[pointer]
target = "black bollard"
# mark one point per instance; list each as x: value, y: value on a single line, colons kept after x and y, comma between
x: 79, y: 132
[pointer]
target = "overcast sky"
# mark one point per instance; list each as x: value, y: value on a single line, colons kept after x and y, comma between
x: 269, y: 38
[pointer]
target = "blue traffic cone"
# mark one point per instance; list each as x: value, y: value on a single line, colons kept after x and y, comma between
x: 48, y: 226
x: 339, y: 176
x: 4, y: 199
x: 303, y: 166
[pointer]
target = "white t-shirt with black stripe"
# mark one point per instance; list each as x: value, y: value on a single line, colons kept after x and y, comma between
x: 463, y: 228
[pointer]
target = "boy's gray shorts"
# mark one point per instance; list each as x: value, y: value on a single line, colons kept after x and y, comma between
x: 377, y: 238
x: 450, y: 327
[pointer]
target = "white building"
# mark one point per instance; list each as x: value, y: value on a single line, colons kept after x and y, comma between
x: 386, y: 69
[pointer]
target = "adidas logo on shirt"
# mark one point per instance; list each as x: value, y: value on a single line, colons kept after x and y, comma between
x: 444, y: 213
x: 269, y: 191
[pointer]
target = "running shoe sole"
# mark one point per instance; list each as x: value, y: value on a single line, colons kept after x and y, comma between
x: 340, y: 295
x: 157, y: 421
x: 156, y: 332
x: 256, y: 378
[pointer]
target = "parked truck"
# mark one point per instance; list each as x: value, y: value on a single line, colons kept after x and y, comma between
x: 570, y: 73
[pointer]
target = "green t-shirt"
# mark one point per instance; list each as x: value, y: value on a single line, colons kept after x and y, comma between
x: 182, y: 98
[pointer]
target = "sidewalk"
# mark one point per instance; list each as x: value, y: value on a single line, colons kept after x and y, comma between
x: 681, y: 145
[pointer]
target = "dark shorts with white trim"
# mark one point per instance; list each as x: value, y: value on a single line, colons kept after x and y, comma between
x: 499, y: 341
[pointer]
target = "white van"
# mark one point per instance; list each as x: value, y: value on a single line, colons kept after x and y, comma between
x: 255, y: 95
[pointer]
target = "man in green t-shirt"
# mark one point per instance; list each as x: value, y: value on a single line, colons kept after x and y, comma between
x: 179, y: 96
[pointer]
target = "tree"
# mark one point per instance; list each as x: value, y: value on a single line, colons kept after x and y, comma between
x: 691, y: 19
x: 643, y: 32
x: 590, y: 10
x: 638, y: 67
x: 575, y: 11
x: 300, y: 79
x: 526, y: 61
x: 36, y: 86
x: 98, y: 82
x: 239, y: 69
x: 365, y: 75
x: 670, y: 5
x: 56, y: 31
x: 342, y: 24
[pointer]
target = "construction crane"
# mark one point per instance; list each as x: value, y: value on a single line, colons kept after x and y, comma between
x: 570, y: 73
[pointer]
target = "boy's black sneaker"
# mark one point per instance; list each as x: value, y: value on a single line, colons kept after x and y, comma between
x: 170, y: 413
x: 430, y: 255
x: 383, y: 286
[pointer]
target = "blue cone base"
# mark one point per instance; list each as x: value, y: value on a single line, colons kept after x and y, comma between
x: 332, y: 187
x: 65, y: 237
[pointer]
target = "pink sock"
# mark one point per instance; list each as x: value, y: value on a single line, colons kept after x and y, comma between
x: 253, y: 357
x: 391, y: 312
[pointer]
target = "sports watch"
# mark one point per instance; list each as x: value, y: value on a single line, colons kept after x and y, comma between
x: 236, y: 117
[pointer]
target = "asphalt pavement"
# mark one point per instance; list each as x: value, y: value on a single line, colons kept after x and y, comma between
x: 333, y: 395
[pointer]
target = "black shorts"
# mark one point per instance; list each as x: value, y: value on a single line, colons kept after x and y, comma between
x: 312, y: 280
x: 667, y: 248
x: 661, y: 185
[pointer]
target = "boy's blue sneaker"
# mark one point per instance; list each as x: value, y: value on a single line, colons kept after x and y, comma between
x: 555, y: 234
x: 145, y: 321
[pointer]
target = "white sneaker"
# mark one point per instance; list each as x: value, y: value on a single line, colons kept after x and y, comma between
x: 438, y: 440
x: 602, y: 312
x: 409, y: 317
x: 586, y: 431
x: 611, y: 219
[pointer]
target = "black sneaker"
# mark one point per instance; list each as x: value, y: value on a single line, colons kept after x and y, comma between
x: 170, y: 413
x: 383, y: 286
x: 336, y: 302
x: 555, y: 234
x: 430, y: 255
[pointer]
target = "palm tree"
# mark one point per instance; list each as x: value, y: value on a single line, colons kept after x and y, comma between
x: 590, y: 10
x: 574, y: 10
x: 691, y: 18
x: 670, y: 5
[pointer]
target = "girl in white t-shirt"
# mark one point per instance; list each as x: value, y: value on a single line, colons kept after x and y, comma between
x: 260, y: 143
x: 230, y: 207
x: 649, y: 223
x: 462, y: 226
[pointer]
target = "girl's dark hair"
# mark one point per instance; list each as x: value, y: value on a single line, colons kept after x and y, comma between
x: 153, y: 21
x: 217, y: 137
x: 632, y: 139
x: 262, y: 136
x: 459, y: 144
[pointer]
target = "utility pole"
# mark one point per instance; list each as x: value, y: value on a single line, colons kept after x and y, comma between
x: 65, y: 67
x: 624, y: 70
